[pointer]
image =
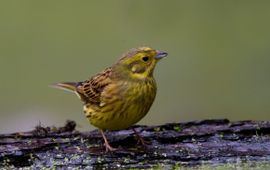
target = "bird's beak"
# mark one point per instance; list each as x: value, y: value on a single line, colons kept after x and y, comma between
x: 160, y: 55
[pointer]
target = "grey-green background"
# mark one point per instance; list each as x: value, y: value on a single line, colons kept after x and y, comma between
x: 218, y: 64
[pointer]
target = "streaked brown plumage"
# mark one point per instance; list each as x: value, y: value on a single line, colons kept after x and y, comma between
x: 122, y: 94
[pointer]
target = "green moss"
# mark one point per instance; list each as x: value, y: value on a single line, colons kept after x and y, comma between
x: 257, y: 131
x: 241, y: 165
x: 157, y: 129
x: 221, y: 135
x: 177, y: 128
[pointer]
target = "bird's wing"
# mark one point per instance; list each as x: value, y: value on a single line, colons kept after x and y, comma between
x: 90, y: 90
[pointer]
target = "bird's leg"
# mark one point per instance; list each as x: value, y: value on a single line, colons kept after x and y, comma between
x: 140, y: 139
x: 106, y: 143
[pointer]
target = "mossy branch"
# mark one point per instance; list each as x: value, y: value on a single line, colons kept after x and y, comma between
x: 174, y: 144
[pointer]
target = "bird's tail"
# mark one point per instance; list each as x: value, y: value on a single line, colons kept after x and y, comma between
x: 68, y: 86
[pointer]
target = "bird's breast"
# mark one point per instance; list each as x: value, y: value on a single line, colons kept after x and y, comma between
x: 129, y: 103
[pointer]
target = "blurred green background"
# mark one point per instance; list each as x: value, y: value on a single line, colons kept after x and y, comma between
x: 218, y: 64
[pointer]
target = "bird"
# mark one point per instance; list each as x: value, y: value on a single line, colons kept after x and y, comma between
x: 121, y: 95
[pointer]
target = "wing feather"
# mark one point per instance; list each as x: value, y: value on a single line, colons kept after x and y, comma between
x: 91, y: 89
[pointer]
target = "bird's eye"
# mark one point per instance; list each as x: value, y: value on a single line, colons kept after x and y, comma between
x: 145, y: 58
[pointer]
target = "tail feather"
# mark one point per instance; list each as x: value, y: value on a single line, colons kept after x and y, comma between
x: 68, y: 86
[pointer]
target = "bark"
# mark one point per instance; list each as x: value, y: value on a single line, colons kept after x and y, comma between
x: 173, y: 144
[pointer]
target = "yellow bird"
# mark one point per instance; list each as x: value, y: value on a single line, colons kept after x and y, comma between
x: 122, y: 94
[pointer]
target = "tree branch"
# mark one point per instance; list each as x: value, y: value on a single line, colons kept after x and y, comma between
x: 191, y: 143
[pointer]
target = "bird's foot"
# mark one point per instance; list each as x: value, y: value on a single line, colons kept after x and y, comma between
x: 140, y: 139
x: 109, y: 148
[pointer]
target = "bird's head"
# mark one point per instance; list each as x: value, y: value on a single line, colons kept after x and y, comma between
x: 140, y: 62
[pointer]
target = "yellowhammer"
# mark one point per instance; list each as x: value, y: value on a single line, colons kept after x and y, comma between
x: 122, y: 94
